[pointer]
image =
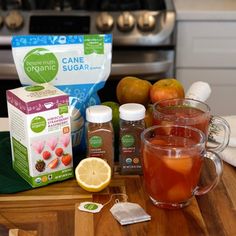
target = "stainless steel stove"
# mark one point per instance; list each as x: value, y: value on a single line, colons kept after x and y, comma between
x: 143, y: 32
x: 132, y: 22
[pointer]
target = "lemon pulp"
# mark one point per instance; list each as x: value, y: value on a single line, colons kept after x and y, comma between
x: 93, y: 174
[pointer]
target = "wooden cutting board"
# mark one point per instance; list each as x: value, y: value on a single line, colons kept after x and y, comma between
x: 213, y: 214
x: 58, y: 191
x: 47, y: 210
x: 53, y: 210
x: 188, y: 221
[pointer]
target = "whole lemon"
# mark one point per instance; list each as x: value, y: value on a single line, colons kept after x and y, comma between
x: 132, y: 89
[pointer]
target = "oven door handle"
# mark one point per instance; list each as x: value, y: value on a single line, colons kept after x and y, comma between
x: 8, y: 71
x: 141, y: 68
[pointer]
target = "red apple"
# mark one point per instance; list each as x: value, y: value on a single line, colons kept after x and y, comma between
x: 166, y: 89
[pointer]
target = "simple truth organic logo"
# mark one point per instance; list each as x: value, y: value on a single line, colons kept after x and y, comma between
x: 40, y: 65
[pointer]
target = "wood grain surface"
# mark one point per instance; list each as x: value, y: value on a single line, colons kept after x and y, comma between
x: 53, y: 210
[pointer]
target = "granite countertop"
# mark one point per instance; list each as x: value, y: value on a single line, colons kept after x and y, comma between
x: 223, y: 10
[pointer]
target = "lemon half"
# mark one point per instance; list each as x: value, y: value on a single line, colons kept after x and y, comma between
x: 93, y: 174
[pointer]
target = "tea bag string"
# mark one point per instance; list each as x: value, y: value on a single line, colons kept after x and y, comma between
x: 116, y: 200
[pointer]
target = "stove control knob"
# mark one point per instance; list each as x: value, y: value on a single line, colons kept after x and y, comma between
x: 14, y: 20
x: 1, y: 21
x: 104, y: 22
x: 126, y: 21
x: 146, y: 22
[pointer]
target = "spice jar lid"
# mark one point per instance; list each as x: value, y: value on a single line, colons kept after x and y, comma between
x: 98, y: 114
x: 132, y: 111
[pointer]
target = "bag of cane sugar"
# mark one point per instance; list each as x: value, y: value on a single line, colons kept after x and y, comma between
x: 79, y: 65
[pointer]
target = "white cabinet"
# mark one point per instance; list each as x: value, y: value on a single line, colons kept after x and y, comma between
x: 223, y: 84
x: 206, y: 51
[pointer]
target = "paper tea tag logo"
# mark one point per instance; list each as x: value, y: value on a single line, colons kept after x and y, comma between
x: 40, y: 65
x: 90, y: 206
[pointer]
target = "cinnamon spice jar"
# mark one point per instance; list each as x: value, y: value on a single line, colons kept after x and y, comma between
x: 99, y: 133
x: 131, y: 126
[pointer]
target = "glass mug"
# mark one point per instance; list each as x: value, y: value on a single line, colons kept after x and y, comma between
x: 192, y: 113
x: 172, y: 161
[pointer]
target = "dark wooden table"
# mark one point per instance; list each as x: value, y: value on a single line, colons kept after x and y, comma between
x: 52, y: 211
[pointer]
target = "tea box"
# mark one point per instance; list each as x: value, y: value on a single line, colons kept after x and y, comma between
x: 40, y: 133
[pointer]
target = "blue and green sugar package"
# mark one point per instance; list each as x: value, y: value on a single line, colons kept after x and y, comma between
x: 77, y: 64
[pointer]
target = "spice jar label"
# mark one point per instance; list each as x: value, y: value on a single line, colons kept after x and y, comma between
x: 130, y: 151
x: 95, y: 141
x: 127, y: 140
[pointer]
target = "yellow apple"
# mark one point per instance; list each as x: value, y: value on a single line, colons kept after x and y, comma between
x: 133, y: 89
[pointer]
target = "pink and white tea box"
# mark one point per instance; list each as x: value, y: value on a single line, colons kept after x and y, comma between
x: 40, y: 133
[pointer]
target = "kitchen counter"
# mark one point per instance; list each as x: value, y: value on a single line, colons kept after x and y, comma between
x: 53, y: 209
x: 223, y: 10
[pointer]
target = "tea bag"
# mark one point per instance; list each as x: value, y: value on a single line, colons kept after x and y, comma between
x: 125, y: 212
x: 129, y: 213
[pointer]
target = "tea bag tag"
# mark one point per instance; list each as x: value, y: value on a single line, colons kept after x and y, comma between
x: 92, y: 207
x: 129, y: 213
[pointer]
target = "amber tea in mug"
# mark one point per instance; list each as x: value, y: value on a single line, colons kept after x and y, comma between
x: 172, y: 161
x: 192, y: 113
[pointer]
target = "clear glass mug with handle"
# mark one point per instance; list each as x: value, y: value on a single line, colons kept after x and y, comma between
x: 172, y: 159
x: 194, y: 113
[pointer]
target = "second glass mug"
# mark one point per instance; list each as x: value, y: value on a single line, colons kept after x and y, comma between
x: 192, y: 113
x: 172, y: 162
